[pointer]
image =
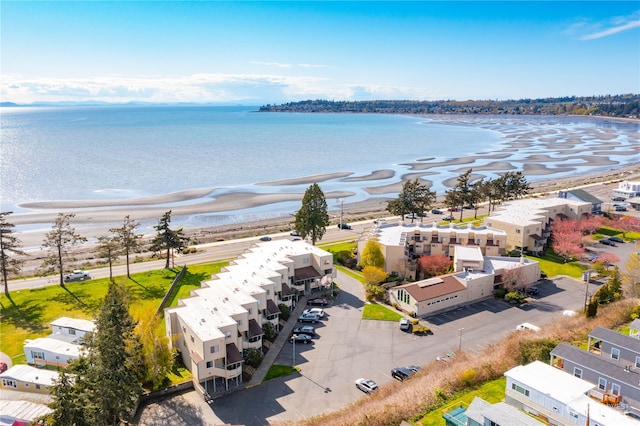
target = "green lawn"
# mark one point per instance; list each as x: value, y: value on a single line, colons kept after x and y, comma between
x: 553, y: 265
x: 373, y: 311
x: 491, y: 392
x: 353, y: 274
x: 279, y: 371
x: 29, y: 312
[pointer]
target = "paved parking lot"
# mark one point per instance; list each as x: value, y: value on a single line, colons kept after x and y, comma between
x: 348, y: 347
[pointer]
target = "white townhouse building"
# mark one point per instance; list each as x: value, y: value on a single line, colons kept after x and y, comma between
x: 558, y: 398
x: 403, y: 243
x: 476, y: 278
x: 627, y: 189
x: 527, y: 222
x: 219, y: 322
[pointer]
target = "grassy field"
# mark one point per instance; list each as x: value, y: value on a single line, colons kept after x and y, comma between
x: 491, y: 391
x: 29, y: 312
x: 553, y: 265
x: 279, y: 371
x: 373, y: 311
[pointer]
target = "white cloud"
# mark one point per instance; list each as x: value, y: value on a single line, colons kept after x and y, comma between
x: 271, y: 64
x: 613, y: 30
x: 585, y: 29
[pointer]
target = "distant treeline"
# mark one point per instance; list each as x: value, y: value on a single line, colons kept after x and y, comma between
x: 627, y: 106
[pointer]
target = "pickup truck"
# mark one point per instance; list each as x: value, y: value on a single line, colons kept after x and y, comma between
x: 77, y: 275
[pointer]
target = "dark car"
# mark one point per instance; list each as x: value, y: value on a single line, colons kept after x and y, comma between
x: 402, y: 373
x: 305, y: 329
x: 300, y: 338
x: 533, y: 291
x: 436, y: 211
x: 616, y: 239
x: 318, y: 301
x: 344, y: 226
x: 265, y: 238
x: 618, y: 199
x: 607, y: 242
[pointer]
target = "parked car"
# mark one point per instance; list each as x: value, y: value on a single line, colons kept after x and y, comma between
x: 316, y: 311
x: 447, y: 217
x: 443, y: 358
x: 411, y: 216
x: 616, y: 239
x: 380, y: 221
x: 469, y: 207
x: 318, y: 301
x: 366, y: 385
x: 294, y: 233
x: 308, y: 317
x: 305, y: 329
x: 402, y: 373
x: 533, y: 291
x: 436, y: 211
x: 265, y: 238
x: 607, y: 242
x: 454, y: 209
x: 527, y: 326
x: 300, y: 338
x: 77, y: 275
x: 404, y: 324
x: 3, y: 366
x: 414, y: 368
x: 618, y: 198
x: 620, y: 208
x: 344, y: 226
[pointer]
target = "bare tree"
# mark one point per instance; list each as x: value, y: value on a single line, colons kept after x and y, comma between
x: 58, y: 241
x: 9, y: 247
x: 127, y: 240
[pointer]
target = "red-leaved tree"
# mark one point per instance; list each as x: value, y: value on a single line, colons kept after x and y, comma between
x: 437, y: 264
x: 608, y: 259
x: 626, y: 224
x: 568, y: 239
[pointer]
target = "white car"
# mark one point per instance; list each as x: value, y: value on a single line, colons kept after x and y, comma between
x: 319, y: 312
x: 404, y: 324
x: 366, y: 385
x: 527, y: 326
x: 77, y: 275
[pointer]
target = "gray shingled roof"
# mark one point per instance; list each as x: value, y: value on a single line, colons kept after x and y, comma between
x: 617, y: 339
x: 585, y: 196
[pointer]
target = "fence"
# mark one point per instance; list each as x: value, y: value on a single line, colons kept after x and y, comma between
x: 167, y: 296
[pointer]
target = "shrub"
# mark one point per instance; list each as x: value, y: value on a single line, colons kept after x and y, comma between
x: 635, y: 314
x: 421, y: 329
x: 414, y: 321
x: 500, y: 293
x: 253, y: 357
x: 514, y: 297
x: 536, y: 350
x: 269, y: 331
x: 396, y: 306
x: 284, y: 311
x: 468, y: 377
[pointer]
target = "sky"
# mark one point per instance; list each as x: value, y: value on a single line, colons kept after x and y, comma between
x: 269, y: 52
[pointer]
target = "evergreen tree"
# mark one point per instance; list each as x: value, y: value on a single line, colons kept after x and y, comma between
x: 415, y: 199
x: 9, y: 247
x: 107, y: 249
x: 68, y: 404
x: 127, y: 239
x: 167, y: 239
x: 58, y: 241
x: 312, y: 219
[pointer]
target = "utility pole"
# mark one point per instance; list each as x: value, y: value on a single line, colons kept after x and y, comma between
x: 460, y: 339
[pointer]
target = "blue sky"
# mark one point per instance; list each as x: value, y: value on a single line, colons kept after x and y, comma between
x: 261, y: 52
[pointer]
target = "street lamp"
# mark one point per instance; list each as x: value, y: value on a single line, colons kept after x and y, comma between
x: 460, y: 339
x: 293, y: 362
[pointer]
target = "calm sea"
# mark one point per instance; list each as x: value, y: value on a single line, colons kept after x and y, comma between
x: 78, y: 153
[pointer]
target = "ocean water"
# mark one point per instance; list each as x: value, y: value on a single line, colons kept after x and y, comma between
x: 116, y: 152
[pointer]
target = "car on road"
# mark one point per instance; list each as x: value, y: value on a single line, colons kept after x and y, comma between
x: 308, y: 317
x: 436, y: 211
x: 305, y: 329
x: 316, y: 311
x: 616, y: 239
x: 300, y: 338
x: 446, y: 217
x: 402, y: 373
x: 618, y: 198
x: 607, y: 242
x: 318, y: 301
x: 380, y: 221
x: 77, y: 275
x: 404, y: 324
x: 411, y: 216
x: 294, y: 233
x: 344, y: 226
x: 366, y: 385
x: 620, y: 208
x: 265, y: 238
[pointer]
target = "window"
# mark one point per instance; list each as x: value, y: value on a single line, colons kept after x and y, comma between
x: 638, y: 362
x: 520, y: 389
x: 615, y: 354
x: 305, y: 260
x: 37, y: 355
x: 228, y: 334
x: 239, y: 322
x: 72, y: 331
x: 8, y: 383
x: 615, y: 389
x: 37, y: 386
x: 250, y: 310
x: 214, y: 349
x: 577, y: 372
x: 209, y: 364
x: 517, y: 231
x: 602, y: 384
x: 192, y: 339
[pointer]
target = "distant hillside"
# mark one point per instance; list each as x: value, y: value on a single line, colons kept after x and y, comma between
x: 627, y: 106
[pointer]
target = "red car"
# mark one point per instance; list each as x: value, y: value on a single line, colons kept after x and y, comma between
x: 318, y: 302
x: 3, y: 366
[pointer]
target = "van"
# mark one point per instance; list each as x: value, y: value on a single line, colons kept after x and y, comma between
x: 527, y: 326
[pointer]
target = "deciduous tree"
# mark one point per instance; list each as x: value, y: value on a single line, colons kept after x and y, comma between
x: 631, y: 275
x: 312, y: 219
x: 58, y: 242
x: 10, y: 247
x: 626, y: 224
x: 127, y: 239
x: 433, y: 265
x: 156, y: 357
x: 568, y: 240
x: 372, y: 255
x: 373, y: 275
x: 167, y: 239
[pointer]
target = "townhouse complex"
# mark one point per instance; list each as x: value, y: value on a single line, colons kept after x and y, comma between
x: 215, y: 327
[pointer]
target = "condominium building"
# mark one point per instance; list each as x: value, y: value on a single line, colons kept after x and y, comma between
x: 527, y: 222
x: 215, y: 327
x: 403, y: 243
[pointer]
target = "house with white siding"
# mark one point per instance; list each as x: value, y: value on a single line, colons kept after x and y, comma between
x: 25, y: 378
x: 76, y: 327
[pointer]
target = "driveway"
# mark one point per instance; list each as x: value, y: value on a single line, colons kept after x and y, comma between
x: 349, y: 347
